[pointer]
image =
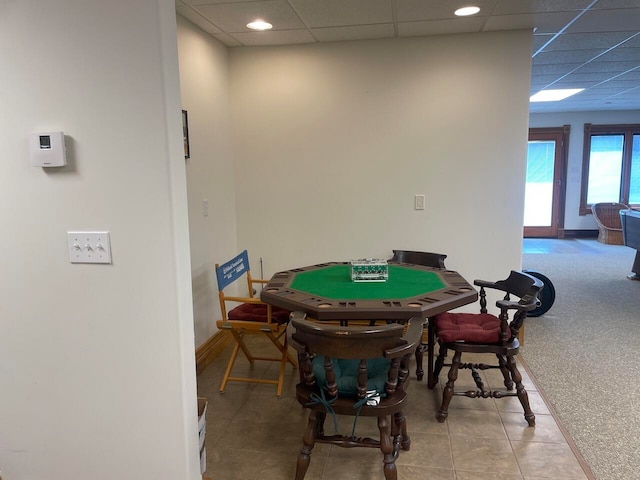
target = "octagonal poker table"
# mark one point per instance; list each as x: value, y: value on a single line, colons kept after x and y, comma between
x: 326, y: 292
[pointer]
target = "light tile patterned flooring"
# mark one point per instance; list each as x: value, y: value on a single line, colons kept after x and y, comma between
x: 252, y: 435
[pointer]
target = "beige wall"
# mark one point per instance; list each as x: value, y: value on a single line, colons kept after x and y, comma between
x: 204, y: 85
x: 97, y: 377
x: 332, y: 141
x: 573, y: 220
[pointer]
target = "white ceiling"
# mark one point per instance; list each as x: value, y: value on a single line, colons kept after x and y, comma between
x: 590, y: 44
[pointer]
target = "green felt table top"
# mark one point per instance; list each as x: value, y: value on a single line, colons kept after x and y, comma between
x: 334, y: 282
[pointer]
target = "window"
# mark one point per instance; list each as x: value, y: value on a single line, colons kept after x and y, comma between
x: 610, y: 165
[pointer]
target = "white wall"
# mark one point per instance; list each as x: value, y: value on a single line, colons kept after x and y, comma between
x: 204, y: 85
x: 332, y: 142
x: 97, y: 374
x: 573, y: 220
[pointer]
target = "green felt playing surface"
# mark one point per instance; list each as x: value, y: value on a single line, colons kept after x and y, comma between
x: 335, y: 283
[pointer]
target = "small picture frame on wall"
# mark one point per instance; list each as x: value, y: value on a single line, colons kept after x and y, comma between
x: 185, y: 134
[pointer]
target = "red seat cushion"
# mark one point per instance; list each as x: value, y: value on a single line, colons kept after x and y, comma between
x: 468, y: 327
x: 257, y: 312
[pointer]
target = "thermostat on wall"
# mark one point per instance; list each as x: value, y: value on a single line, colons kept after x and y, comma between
x: 48, y: 149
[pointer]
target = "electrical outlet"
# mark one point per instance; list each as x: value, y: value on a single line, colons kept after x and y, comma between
x: 89, y: 247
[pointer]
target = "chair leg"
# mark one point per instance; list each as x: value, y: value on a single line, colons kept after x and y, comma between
x: 432, y: 379
x: 283, y: 366
x: 227, y: 372
x: 502, y: 362
x: 308, y: 442
x: 438, y: 365
x: 419, y: 357
x: 400, y: 421
x: 521, y: 391
x: 283, y: 348
x: 386, y: 446
x: 447, y: 394
x: 422, y: 346
x: 240, y: 342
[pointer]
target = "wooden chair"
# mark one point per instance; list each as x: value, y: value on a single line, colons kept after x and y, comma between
x: 428, y: 259
x: 360, y: 371
x: 250, y: 316
x: 490, y: 334
x: 607, y: 215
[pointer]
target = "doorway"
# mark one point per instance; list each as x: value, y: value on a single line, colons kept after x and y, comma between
x: 544, y: 190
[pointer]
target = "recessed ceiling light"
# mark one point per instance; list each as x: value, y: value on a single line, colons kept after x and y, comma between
x: 554, y: 95
x: 466, y: 11
x: 259, y: 25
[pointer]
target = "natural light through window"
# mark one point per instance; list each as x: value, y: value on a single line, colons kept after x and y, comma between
x: 605, y: 168
x: 539, y: 186
x: 634, y: 184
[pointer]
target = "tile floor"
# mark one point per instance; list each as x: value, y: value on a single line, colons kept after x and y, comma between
x: 252, y: 435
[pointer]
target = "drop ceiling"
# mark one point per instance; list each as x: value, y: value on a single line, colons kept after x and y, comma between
x: 590, y: 44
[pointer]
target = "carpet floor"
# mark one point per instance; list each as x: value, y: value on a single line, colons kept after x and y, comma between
x: 584, y: 350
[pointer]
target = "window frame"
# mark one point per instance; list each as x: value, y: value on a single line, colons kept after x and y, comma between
x: 627, y: 131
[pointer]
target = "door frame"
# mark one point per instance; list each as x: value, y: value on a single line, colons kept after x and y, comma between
x: 561, y: 137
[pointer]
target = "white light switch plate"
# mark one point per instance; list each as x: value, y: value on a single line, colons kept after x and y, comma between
x: 89, y: 247
x: 419, y: 202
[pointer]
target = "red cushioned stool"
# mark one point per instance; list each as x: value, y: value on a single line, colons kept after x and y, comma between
x: 487, y: 333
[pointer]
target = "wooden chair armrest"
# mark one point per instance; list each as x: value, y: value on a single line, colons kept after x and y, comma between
x: 485, y: 283
x: 259, y: 280
x: 243, y: 300
x: 511, y: 305
x: 412, y: 336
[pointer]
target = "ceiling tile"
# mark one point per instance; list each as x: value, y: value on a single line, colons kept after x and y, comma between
x: 510, y: 7
x: 620, y: 83
x: 228, y: 40
x: 603, y: 90
x: 607, y: 21
x: 233, y: 17
x: 213, y: 2
x: 413, y: 10
x: 633, y: 41
x: 583, y: 41
x: 274, y: 37
x: 622, y: 55
x: 632, y: 75
x: 612, y: 4
x: 556, y: 69
x: 360, y: 32
x: 440, y: 27
x: 602, y: 66
x: 597, y: 77
x: 542, y: 22
x: 335, y: 13
x: 540, y: 40
x: 563, y: 56
x: 197, y: 19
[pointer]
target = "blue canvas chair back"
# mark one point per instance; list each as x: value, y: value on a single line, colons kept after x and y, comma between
x: 229, y: 272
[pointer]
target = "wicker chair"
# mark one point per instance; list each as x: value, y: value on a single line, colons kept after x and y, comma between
x: 608, y: 217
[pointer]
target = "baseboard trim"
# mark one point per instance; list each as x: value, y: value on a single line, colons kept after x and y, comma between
x: 580, y: 233
x: 211, y: 348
